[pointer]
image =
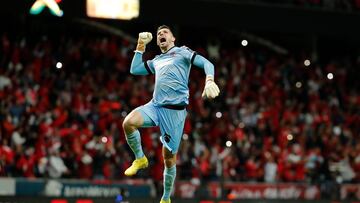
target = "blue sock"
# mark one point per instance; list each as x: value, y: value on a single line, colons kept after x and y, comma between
x: 134, y: 142
x: 169, y: 178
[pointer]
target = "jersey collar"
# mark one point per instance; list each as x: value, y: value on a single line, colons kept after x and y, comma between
x: 168, y: 50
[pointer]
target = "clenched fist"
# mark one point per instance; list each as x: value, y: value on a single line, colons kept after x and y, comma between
x: 211, y: 89
x: 143, y: 40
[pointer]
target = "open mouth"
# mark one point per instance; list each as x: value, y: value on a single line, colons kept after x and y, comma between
x: 162, y: 40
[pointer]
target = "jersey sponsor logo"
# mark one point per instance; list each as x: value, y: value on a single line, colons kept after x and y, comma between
x: 161, y: 63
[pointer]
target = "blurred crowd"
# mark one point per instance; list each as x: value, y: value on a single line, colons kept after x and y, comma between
x: 63, y: 100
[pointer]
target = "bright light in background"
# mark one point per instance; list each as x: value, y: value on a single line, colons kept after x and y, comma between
x: 307, y: 62
x: 330, y: 76
x: 53, y: 5
x: 290, y: 137
x: 104, y: 139
x: 298, y: 84
x: 59, y: 65
x: 113, y: 9
x: 244, y: 42
x: 218, y: 114
x: 337, y: 130
x: 118, y: 199
x: 228, y: 143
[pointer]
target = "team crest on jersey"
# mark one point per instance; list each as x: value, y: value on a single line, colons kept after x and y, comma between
x: 172, y: 54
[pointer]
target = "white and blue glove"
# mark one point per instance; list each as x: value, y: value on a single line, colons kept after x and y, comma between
x: 143, y: 40
x: 211, y: 90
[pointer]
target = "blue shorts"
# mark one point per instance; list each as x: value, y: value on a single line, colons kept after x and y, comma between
x: 171, y: 123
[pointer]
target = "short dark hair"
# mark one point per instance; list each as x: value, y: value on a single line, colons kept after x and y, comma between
x: 163, y: 27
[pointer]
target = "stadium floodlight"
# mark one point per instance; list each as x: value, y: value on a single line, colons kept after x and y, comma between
x: 53, y: 5
x: 113, y: 9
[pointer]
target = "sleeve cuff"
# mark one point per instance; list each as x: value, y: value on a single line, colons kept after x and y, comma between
x: 193, y: 58
x: 147, y: 67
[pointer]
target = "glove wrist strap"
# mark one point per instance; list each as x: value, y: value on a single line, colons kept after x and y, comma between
x: 140, y: 47
x: 209, y: 78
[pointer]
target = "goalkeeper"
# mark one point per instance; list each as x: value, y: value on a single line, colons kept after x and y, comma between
x: 167, y: 109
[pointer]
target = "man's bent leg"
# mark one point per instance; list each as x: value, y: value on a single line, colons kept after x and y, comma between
x: 169, y: 174
x: 130, y: 125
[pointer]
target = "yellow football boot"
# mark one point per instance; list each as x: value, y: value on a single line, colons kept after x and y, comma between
x: 136, y: 165
x: 165, y: 201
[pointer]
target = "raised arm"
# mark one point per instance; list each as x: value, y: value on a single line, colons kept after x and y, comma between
x: 211, y: 90
x: 138, y: 66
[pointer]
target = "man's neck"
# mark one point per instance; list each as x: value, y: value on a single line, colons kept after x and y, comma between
x: 167, y: 48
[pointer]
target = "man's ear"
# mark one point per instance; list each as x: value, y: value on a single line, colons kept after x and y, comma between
x: 173, y: 39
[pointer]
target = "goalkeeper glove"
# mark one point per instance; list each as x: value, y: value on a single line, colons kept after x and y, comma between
x: 143, y: 40
x: 211, y: 90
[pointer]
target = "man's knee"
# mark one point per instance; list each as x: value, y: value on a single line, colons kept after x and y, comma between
x: 132, y: 122
x: 127, y: 123
x: 170, y: 161
x: 169, y: 158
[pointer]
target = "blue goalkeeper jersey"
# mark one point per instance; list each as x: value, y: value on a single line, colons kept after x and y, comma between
x: 172, y: 70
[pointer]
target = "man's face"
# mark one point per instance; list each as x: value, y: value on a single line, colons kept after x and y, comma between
x: 165, y: 38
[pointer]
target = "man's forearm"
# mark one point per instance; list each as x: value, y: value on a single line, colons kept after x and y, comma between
x: 211, y: 90
x: 137, y: 65
x: 202, y: 62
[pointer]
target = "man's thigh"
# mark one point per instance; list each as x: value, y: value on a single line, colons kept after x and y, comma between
x: 171, y: 124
